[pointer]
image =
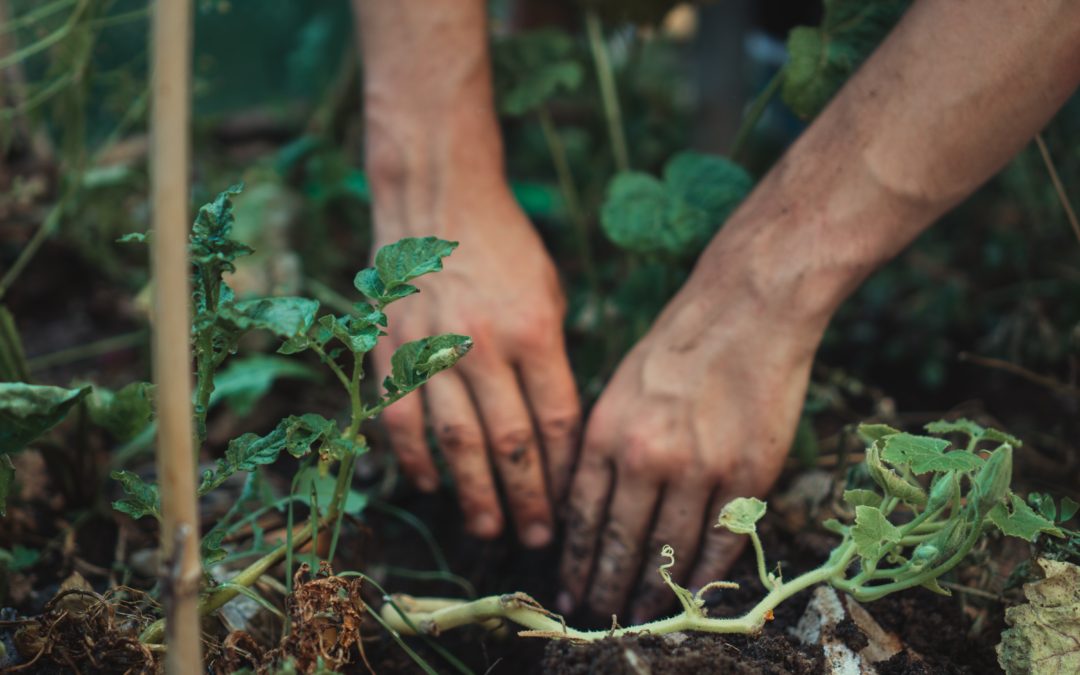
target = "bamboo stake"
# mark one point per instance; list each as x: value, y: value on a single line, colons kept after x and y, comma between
x: 170, y: 142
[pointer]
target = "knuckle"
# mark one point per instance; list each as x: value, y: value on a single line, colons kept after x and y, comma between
x: 512, y: 445
x: 559, y: 425
x: 642, y: 456
x: 396, y: 420
x: 455, y: 439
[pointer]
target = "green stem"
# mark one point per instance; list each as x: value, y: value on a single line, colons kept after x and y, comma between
x: 47, y: 41
x: 609, y: 96
x: 759, y: 553
x: 334, y: 367
x: 523, y: 611
x: 48, y: 226
x: 754, y: 113
x: 89, y: 350
x: 34, y: 16
x: 570, y: 196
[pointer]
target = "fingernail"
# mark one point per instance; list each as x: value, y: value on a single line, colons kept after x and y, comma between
x: 485, y: 526
x: 536, y: 535
x: 564, y: 602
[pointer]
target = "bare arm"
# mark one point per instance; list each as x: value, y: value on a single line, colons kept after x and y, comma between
x: 704, y: 408
x: 434, y: 157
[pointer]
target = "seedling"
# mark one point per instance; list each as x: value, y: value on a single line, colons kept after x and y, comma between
x: 219, y: 321
x: 930, y: 503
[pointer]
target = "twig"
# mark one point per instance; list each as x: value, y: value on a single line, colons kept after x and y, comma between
x: 608, y: 94
x: 44, y: 231
x: 170, y: 139
x: 1070, y: 214
x: 1015, y: 369
x: 101, y: 347
x: 753, y: 115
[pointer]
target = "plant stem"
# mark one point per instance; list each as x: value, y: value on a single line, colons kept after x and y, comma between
x: 759, y: 553
x: 754, y: 113
x: 89, y: 350
x: 570, y: 196
x: 609, y: 96
x: 48, y: 226
x: 432, y: 616
x: 1070, y: 214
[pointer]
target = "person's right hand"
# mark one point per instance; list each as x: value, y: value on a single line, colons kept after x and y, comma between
x: 509, y: 410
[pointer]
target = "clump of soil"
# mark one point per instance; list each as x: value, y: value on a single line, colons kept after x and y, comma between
x: 680, y: 653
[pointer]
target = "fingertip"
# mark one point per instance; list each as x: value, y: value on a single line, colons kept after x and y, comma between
x: 485, y: 526
x: 537, y: 535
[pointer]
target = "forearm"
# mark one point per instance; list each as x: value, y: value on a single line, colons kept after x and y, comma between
x: 430, y: 126
x: 956, y: 91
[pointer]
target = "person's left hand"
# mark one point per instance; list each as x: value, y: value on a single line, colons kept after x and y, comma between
x: 702, y: 410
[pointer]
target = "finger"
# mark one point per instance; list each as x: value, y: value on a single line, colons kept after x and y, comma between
x: 514, y: 448
x: 553, y: 399
x: 679, y: 525
x: 404, y: 424
x: 621, y: 542
x: 720, y: 547
x: 584, y: 514
x: 461, y: 439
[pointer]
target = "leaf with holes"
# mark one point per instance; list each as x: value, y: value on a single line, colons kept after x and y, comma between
x: 741, y: 515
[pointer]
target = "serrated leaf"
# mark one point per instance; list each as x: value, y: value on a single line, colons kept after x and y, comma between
x: 1044, y: 632
x: 676, y: 216
x: 210, y: 243
x: 1021, y: 520
x: 872, y: 432
x: 1001, y: 437
x: 530, y: 68
x: 285, y: 317
x: 124, y: 413
x: 961, y: 426
x: 29, y: 410
x: 857, y: 498
x: 924, y: 454
x: 143, y: 499
x: 245, y: 381
x: 295, y: 435
x: 413, y: 363
x: 822, y: 58
x: 872, y: 533
x: 358, y: 335
x: 741, y: 515
x: 400, y: 262
x: 7, y: 478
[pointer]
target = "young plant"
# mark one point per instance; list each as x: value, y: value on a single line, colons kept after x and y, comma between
x: 926, y: 505
x: 340, y: 342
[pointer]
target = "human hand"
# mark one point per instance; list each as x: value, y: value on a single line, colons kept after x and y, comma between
x: 702, y: 410
x: 513, y: 398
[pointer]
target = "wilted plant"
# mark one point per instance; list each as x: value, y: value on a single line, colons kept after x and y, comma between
x: 930, y: 505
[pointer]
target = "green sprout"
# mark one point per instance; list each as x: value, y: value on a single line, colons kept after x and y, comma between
x: 931, y: 505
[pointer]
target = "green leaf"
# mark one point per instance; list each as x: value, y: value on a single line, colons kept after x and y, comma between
x: 961, y: 426
x: 924, y: 454
x: 285, y: 317
x: 1001, y: 437
x: 741, y: 514
x: 358, y: 335
x: 143, y: 499
x: 210, y: 243
x: 123, y: 413
x: 888, y: 480
x: 28, y: 410
x: 1044, y: 632
x: 993, y: 480
x: 872, y: 432
x: 821, y: 59
x: 245, y: 381
x: 530, y: 68
x: 210, y: 546
x: 676, y: 216
x: 413, y: 363
x: 1021, y: 520
x: 324, y: 485
x: 295, y: 435
x: 1069, y: 507
x: 134, y: 238
x: 7, y: 478
x: 872, y: 533
x: 18, y: 559
x: 857, y: 498
x: 399, y: 263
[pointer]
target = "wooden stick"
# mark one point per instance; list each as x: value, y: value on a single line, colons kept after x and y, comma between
x: 170, y: 148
